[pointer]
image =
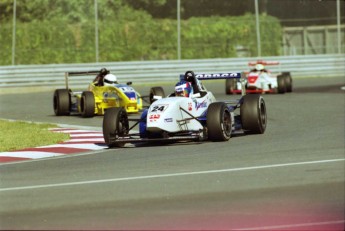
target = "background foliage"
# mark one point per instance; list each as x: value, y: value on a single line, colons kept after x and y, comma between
x: 63, y: 31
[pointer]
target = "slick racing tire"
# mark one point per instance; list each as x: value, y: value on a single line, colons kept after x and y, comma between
x: 253, y: 114
x: 115, y: 125
x: 218, y: 121
x: 87, y: 104
x: 281, y: 84
x: 62, y: 102
x: 230, y: 86
x: 288, y: 81
x: 158, y: 91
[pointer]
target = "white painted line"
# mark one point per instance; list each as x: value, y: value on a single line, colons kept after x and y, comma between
x: 85, y: 140
x: 76, y: 131
x: 91, y: 152
x: 70, y: 126
x: 87, y: 135
x: 167, y: 175
x: 30, y: 154
x: 82, y: 146
x: 280, y: 227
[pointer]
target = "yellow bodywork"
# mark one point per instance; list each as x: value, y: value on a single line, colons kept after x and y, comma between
x: 115, y: 96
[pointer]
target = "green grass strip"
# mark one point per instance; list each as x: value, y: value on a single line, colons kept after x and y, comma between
x: 16, y: 135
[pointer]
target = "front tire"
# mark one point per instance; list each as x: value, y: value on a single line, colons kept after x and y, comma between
x: 253, y: 114
x: 62, y: 102
x: 219, y: 125
x: 115, y: 125
x: 158, y: 91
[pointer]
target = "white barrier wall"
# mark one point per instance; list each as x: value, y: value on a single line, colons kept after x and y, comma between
x: 167, y: 70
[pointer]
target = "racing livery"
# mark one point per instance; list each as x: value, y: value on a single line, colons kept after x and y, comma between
x: 259, y: 80
x: 97, y: 99
x: 198, y: 117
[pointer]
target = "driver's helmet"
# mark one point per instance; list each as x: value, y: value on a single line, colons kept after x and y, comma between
x: 183, y: 88
x: 109, y: 80
x: 189, y: 75
x: 259, y: 67
x: 103, y: 71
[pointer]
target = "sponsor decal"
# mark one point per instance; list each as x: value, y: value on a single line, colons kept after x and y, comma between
x: 200, y: 105
x: 130, y: 95
x: 218, y: 76
x: 190, y: 106
x: 154, y: 116
x: 215, y: 76
x: 252, y: 79
x: 109, y: 94
x: 168, y: 120
x: 127, y: 89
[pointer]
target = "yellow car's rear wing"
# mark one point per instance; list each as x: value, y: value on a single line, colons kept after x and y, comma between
x: 78, y: 73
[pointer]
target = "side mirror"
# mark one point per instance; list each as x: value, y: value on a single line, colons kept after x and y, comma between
x: 156, y: 97
x: 129, y: 83
x: 196, y: 95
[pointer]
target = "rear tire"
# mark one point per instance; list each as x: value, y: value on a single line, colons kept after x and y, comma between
x: 288, y: 81
x: 253, y: 114
x: 87, y: 104
x: 218, y: 121
x: 281, y: 84
x: 115, y: 125
x: 230, y: 86
x: 62, y: 102
x: 158, y: 91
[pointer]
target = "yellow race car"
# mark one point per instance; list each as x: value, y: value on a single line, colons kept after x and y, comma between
x: 97, y: 99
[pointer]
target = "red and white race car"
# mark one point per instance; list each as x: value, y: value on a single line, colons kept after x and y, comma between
x: 259, y: 80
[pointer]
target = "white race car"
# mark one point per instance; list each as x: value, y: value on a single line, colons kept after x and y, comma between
x: 198, y: 117
x: 260, y: 80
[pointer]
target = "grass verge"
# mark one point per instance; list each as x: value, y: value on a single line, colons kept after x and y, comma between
x: 16, y: 135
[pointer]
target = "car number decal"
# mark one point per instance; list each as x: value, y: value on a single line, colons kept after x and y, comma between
x: 159, y: 108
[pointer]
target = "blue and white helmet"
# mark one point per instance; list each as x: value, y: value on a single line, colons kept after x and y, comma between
x: 183, y: 88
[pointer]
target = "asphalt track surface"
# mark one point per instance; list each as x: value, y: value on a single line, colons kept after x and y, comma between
x: 290, y: 178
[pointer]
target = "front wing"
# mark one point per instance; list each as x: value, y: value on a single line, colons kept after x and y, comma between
x: 135, y: 138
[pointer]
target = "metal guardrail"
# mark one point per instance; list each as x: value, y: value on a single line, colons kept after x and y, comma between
x: 52, y: 75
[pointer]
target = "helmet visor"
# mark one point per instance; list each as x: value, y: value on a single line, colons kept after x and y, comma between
x: 109, y: 82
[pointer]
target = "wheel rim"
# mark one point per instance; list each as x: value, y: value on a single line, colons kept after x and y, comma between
x: 122, y: 129
x: 226, y: 126
x: 55, y: 104
x: 82, y: 104
x: 263, y: 116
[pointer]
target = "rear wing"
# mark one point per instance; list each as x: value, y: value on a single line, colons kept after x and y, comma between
x: 266, y: 63
x: 236, y: 75
x: 232, y: 75
x: 78, y: 73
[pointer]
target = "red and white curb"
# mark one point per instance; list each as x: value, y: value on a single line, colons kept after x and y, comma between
x: 80, y: 141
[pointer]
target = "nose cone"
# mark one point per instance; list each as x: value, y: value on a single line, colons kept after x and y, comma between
x: 163, y: 114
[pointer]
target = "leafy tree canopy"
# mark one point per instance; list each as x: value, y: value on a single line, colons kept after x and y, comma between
x: 290, y: 12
